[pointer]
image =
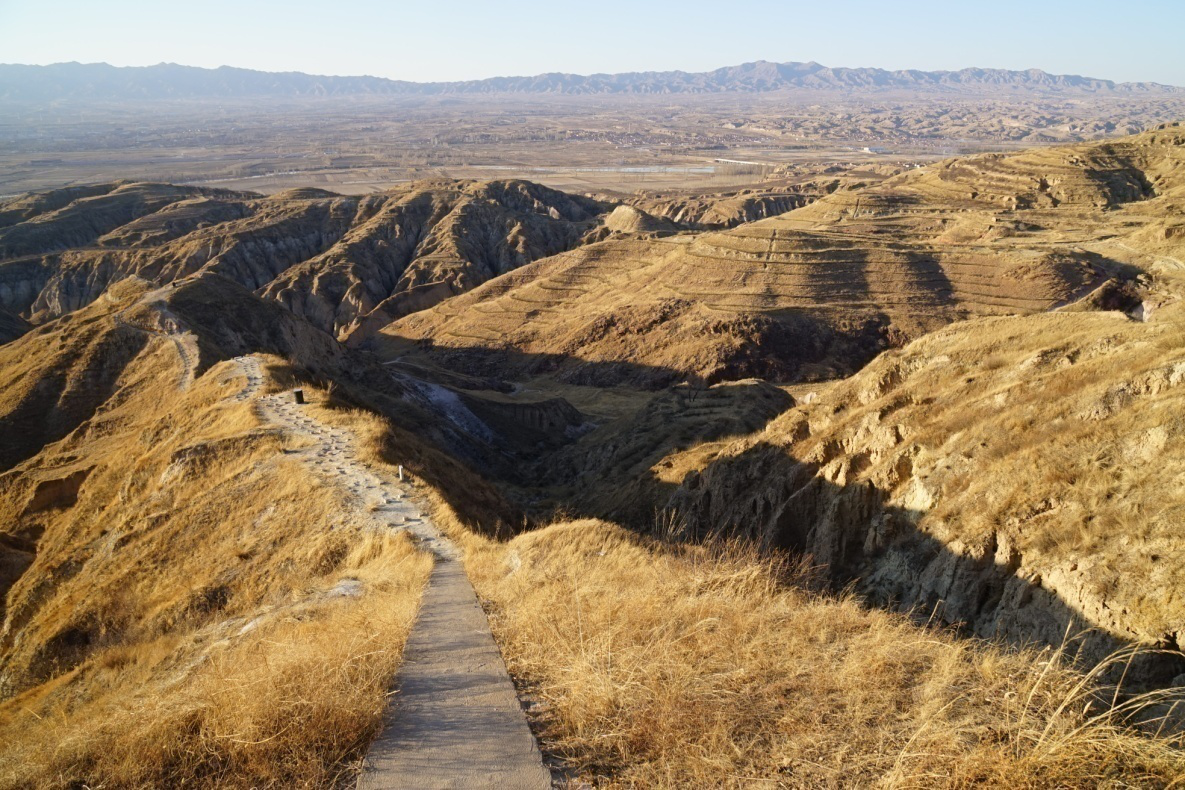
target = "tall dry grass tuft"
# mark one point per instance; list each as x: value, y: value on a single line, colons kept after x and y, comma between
x: 668, y: 666
x: 287, y: 695
x: 293, y: 704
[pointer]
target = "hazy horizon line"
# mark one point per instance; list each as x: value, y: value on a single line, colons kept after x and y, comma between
x: 588, y: 73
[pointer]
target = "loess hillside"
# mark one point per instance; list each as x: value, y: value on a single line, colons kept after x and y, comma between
x: 1010, y: 467
x: 955, y: 392
x: 178, y: 599
x: 816, y: 292
x: 342, y: 263
x: 1020, y: 476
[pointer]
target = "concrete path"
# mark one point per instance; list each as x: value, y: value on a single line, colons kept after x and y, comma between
x: 455, y: 721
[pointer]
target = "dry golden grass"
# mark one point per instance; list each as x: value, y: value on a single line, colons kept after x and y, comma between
x: 291, y: 703
x: 661, y: 666
x: 225, y: 618
x: 392, y: 433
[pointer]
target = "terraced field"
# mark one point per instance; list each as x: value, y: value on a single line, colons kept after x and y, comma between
x: 816, y: 290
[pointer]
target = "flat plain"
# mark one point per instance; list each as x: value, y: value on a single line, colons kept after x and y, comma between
x: 623, y: 144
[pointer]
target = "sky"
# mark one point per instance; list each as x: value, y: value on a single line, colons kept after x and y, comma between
x: 428, y: 40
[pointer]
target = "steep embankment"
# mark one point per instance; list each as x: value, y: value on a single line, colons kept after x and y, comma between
x: 818, y: 291
x: 1020, y: 475
x: 346, y: 264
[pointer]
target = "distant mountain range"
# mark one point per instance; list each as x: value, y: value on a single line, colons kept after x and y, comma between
x: 102, y: 82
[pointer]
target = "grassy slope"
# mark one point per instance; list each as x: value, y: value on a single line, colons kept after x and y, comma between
x: 1049, y: 445
x: 184, y: 620
x: 694, y: 667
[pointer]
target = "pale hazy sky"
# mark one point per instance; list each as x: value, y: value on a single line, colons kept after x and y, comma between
x: 464, y: 39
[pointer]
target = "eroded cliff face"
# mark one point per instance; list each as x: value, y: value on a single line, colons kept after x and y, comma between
x: 349, y: 265
x: 1019, y: 476
x: 426, y: 245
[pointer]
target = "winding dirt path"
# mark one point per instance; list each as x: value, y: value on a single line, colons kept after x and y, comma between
x: 184, y: 343
x: 455, y: 721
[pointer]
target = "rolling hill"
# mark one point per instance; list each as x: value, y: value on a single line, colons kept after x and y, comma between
x: 338, y: 261
x: 817, y: 291
x: 951, y: 395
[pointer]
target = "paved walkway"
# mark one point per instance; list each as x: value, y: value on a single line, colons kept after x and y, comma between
x: 456, y: 721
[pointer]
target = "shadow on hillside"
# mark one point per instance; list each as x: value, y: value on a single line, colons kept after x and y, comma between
x: 470, y: 446
x: 788, y: 346
x: 768, y: 496
x: 856, y: 539
x: 764, y: 494
x: 561, y: 461
x: 67, y: 392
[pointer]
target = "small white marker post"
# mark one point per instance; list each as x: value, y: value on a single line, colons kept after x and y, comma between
x: 401, y: 473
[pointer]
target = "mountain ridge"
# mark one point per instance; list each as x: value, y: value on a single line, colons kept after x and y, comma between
x: 170, y: 80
